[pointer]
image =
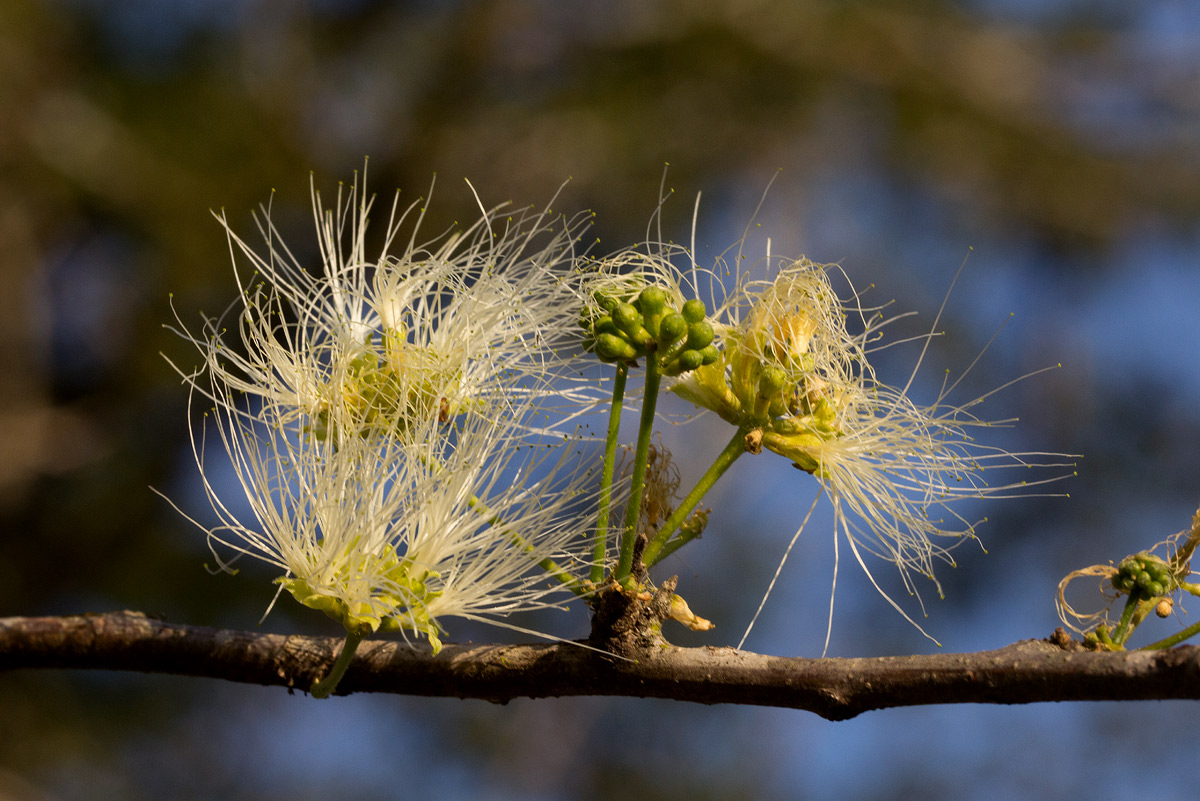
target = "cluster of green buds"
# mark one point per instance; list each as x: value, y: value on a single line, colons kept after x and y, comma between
x: 648, y: 326
x: 1145, y: 573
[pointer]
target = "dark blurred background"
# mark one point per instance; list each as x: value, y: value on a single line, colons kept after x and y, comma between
x: 1053, y: 144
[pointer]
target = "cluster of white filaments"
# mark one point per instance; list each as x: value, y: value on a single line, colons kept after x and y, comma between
x: 396, y: 532
x: 473, y: 311
x: 796, y: 380
x: 387, y: 418
x: 396, y: 420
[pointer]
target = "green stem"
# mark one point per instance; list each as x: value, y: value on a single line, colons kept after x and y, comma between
x: 634, y: 510
x: 323, y: 688
x: 1123, y: 626
x: 658, y: 548
x: 606, y: 479
x: 1144, y: 608
x: 670, y: 548
x: 1174, y: 639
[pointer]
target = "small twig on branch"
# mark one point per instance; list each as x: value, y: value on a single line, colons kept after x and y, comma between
x: 1026, y: 672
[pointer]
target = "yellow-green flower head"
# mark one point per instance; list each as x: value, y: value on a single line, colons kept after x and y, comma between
x: 785, y: 352
x: 380, y: 342
x: 386, y: 416
x: 396, y: 534
x: 796, y: 379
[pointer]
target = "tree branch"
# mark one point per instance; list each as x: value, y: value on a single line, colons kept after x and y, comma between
x: 1026, y: 672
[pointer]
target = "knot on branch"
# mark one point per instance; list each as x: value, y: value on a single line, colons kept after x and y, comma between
x: 629, y: 622
x: 1062, y: 639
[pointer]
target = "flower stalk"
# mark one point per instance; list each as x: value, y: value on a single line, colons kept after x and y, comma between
x: 662, y: 545
x: 324, y: 687
x: 629, y: 535
x: 611, y: 438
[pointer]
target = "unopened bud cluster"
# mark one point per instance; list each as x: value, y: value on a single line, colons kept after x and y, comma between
x: 1143, y: 572
x: 680, y: 339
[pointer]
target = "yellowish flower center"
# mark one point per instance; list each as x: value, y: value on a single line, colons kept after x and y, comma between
x: 388, y: 387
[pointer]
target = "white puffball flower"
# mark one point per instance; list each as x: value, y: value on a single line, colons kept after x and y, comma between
x: 394, y: 420
x: 459, y: 519
x: 361, y: 343
x: 794, y: 376
x: 896, y: 470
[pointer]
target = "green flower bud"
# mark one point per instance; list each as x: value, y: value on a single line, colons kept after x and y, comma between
x: 700, y: 335
x: 689, y: 360
x: 1155, y: 588
x: 611, y: 348
x: 604, y: 301
x: 710, y: 354
x: 671, y: 328
x: 771, y: 379
x: 652, y: 301
x: 626, y: 317
x: 604, y: 325
x: 694, y: 311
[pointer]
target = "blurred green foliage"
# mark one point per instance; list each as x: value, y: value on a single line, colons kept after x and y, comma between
x: 123, y: 124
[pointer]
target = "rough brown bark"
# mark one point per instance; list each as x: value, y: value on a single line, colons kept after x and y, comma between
x: 1026, y: 672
